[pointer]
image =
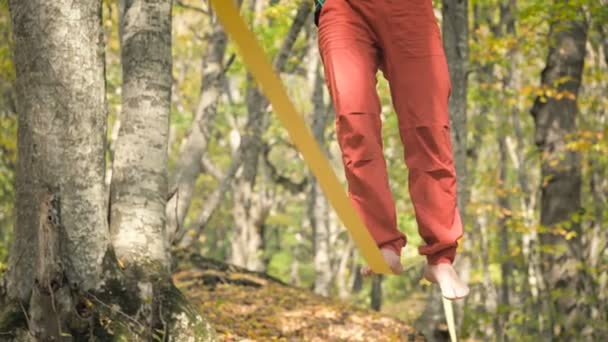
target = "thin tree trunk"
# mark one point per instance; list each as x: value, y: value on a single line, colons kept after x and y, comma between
x: 506, y: 27
x: 250, y: 206
x: 485, y: 76
x: 561, y: 190
x: 188, y: 167
x: 595, y: 240
x: 226, y: 180
x: 318, y: 208
x: 489, y: 297
x: 527, y: 203
x: 139, y: 181
x: 602, y: 28
x: 376, y: 292
x: 504, y: 206
x: 530, y: 251
x: 342, y: 273
x: 455, y: 43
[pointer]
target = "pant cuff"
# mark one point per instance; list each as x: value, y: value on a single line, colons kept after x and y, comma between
x: 445, y: 256
x: 395, y: 245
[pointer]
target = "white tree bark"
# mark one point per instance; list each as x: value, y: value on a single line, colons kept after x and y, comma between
x: 64, y: 282
x: 62, y: 121
x: 61, y: 234
x: 139, y: 180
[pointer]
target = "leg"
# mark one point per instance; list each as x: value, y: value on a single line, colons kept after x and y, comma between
x: 418, y: 76
x: 351, y: 58
x: 424, y: 127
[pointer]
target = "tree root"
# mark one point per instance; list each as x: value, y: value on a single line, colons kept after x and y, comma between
x: 126, y: 306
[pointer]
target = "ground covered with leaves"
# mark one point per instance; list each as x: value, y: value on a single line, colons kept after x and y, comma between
x: 248, y: 306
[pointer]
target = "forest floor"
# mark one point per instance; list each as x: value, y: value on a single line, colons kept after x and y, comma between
x: 249, y: 306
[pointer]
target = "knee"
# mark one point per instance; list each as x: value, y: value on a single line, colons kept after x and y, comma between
x: 429, y: 149
x: 359, y: 139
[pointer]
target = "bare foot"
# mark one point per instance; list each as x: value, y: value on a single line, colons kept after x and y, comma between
x: 392, y: 259
x: 452, y: 287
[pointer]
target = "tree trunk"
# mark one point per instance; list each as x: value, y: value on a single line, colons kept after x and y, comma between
x: 139, y: 185
x: 455, y: 43
x: 489, y: 297
x: 64, y: 281
x: 530, y: 251
x: 555, y: 118
x: 251, y: 206
x: 504, y: 207
x: 188, y: 167
x: 318, y: 208
x: 506, y: 27
x: 61, y: 228
x: 139, y: 181
x: 532, y: 282
x: 59, y: 63
x: 376, y: 292
x: 342, y: 275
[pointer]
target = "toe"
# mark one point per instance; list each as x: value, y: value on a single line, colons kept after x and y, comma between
x: 463, y: 291
x: 448, y: 292
x: 397, y: 268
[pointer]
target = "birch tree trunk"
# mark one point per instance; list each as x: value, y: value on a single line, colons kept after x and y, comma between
x: 554, y: 119
x: 61, y: 225
x: 64, y: 282
x: 139, y: 181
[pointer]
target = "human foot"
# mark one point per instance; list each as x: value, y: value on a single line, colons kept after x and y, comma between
x: 452, y: 287
x: 391, y: 258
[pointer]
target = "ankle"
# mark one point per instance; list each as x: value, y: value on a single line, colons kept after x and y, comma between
x: 438, y: 261
x: 392, y: 249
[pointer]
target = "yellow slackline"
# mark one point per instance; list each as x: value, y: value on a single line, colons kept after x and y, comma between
x: 448, y: 310
x: 261, y: 69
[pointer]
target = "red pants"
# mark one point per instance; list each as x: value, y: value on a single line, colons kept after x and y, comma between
x: 401, y: 38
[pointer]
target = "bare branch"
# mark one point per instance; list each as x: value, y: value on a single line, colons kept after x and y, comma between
x: 285, y: 182
x: 211, y: 168
x: 227, y: 65
x: 212, y: 202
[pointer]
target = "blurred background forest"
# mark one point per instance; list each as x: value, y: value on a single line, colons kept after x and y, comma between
x: 536, y: 191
